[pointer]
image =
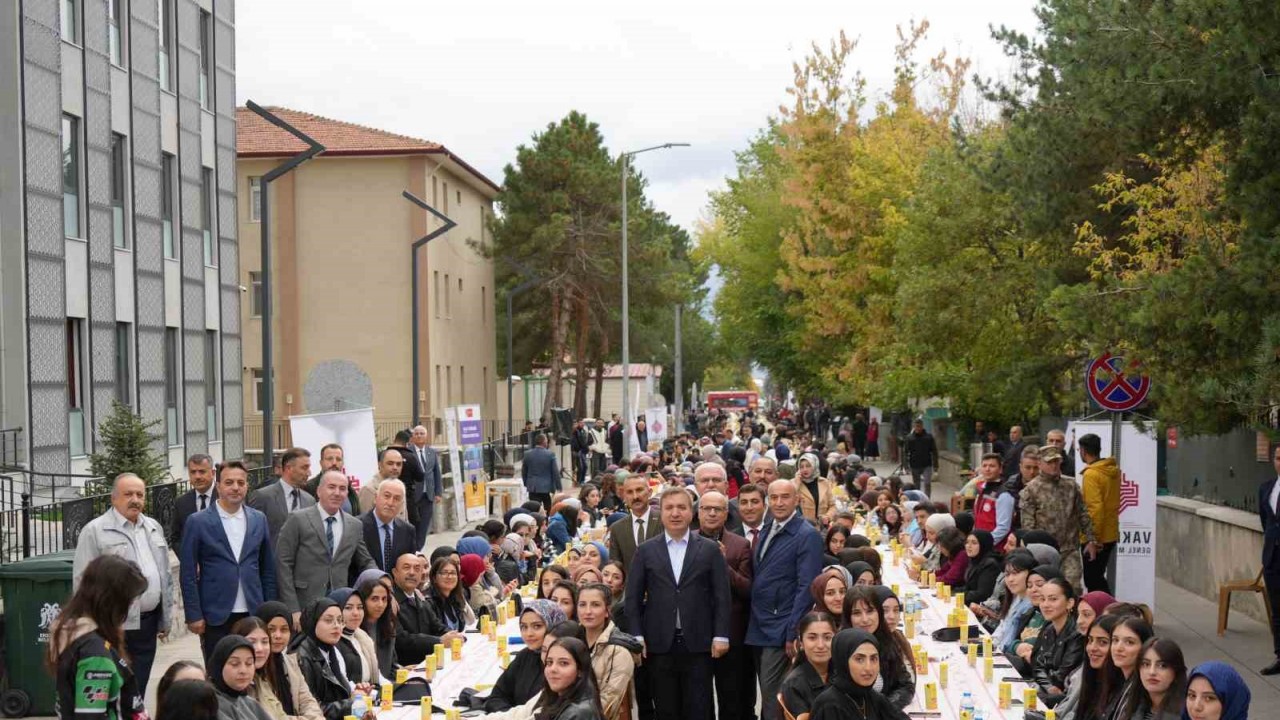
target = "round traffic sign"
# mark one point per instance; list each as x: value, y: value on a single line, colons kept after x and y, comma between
x: 1116, y: 385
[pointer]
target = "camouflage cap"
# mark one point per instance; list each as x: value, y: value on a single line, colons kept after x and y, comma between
x: 1049, y: 453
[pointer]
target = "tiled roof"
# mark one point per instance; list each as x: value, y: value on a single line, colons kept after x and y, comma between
x: 255, y: 137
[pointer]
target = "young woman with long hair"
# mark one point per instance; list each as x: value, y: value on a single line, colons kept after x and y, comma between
x: 551, y: 575
x: 953, y: 560
x: 1162, y: 679
x: 177, y: 672
x: 281, y: 672
x: 862, y: 610
x: 1060, y: 647
x: 569, y: 687
x: 1033, y: 622
x: 613, y: 664
x: 615, y: 576
x: 1088, y: 610
x: 1016, y: 602
x: 565, y: 594
x: 1127, y: 640
x: 447, y: 596
x: 86, y: 643
x: 807, y: 677
x: 837, y: 536
x: 254, y: 630
x: 1100, y: 681
x: 374, y: 588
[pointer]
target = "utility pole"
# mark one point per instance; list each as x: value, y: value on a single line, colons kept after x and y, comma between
x: 679, y: 384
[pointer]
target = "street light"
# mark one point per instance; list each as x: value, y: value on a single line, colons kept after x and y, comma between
x: 532, y: 280
x: 626, y: 300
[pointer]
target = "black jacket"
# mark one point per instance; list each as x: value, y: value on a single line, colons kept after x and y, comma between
x: 800, y: 688
x: 332, y: 694
x: 1056, y: 655
x: 980, y: 578
x: 401, y: 539
x: 899, y: 682
x: 520, y: 681
x: 418, y: 629
x: 922, y: 451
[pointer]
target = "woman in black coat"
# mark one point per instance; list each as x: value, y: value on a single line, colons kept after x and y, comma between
x: 855, y: 666
x: 317, y: 657
x: 984, y: 566
x: 523, y: 677
x: 1059, y: 648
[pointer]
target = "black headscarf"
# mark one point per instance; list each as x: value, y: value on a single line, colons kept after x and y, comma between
x: 985, y: 542
x: 311, y: 618
x: 221, y: 652
x: 857, y: 567
x: 267, y: 612
x: 857, y: 698
x: 1048, y: 572
x: 964, y: 522
x: 855, y: 541
x: 1031, y: 537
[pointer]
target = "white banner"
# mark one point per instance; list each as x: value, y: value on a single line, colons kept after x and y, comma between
x: 655, y: 424
x: 1135, y: 576
x: 455, y: 462
x: 352, y: 429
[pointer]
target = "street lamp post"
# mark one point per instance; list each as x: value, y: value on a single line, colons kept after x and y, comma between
x: 626, y: 300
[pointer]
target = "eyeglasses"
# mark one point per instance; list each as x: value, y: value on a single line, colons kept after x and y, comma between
x: 330, y: 620
x: 446, y: 573
x: 709, y: 508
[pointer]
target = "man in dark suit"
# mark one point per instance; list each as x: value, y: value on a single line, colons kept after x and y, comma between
x: 787, y: 557
x: 320, y: 548
x: 423, y: 483
x: 711, y: 477
x: 580, y: 446
x: 735, y: 670
x: 199, y: 497
x: 386, y: 536
x: 615, y: 439
x: 1269, y: 512
x: 332, y: 457
x: 677, y: 604
x: 227, y: 568
x: 625, y: 536
x: 418, y: 628
x: 286, y: 495
x: 540, y: 472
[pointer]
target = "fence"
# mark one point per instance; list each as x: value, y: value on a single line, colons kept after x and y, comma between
x: 384, y: 431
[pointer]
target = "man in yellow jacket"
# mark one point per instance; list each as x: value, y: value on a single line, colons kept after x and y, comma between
x: 1101, y: 489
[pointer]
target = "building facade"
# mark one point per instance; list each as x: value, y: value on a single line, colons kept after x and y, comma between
x: 342, y: 267
x: 118, y: 253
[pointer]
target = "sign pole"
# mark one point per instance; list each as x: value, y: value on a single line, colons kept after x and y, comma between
x: 1117, y: 424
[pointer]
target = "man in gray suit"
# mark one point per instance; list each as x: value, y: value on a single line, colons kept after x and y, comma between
x: 541, y: 472
x: 276, y: 500
x: 322, y: 549
x: 423, y: 481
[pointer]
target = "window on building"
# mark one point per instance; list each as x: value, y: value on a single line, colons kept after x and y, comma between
x: 439, y: 394
x: 71, y: 176
x: 165, y: 67
x: 462, y: 383
x: 71, y: 21
x: 484, y: 388
x: 168, y: 193
x: 172, y: 379
x: 448, y: 302
x: 458, y: 197
x: 118, y: 187
x: 435, y: 289
x: 255, y: 199
x: 446, y: 197
x: 484, y: 305
x: 75, y: 385
x: 124, y: 363
x: 435, y: 197
x: 255, y: 294
x: 259, y: 400
x: 448, y: 385
x: 115, y: 18
x: 211, y: 375
x: 206, y: 59
x: 206, y: 214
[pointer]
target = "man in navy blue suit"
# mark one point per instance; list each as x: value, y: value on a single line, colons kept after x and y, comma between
x: 787, y: 556
x: 1269, y: 511
x: 227, y: 567
x: 671, y: 580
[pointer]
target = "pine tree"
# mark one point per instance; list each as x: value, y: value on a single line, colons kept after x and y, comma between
x: 127, y: 447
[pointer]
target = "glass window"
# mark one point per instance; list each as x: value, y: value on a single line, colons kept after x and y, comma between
x: 166, y: 44
x: 255, y: 294
x: 118, y: 186
x: 259, y: 400
x: 124, y: 355
x: 206, y: 214
x: 71, y: 176
x: 71, y: 21
x: 167, y: 202
x: 75, y: 385
x: 172, y: 377
x: 115, y: 13
x: 211, y: 382
x: 255, y: 199
x: 206, y: 58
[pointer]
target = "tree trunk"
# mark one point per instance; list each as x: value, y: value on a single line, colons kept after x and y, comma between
x: 580, y: 379
x: 559, y: 331
x: 601, y: 351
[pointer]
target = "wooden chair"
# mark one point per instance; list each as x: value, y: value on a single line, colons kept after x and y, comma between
x: 1224, y: 598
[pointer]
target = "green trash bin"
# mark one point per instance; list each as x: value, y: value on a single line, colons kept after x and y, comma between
x: 34, y: 590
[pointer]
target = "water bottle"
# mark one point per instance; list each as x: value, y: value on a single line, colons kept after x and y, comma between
x: 979, y: 715
x: 358, y: 706
x: 966, y: 706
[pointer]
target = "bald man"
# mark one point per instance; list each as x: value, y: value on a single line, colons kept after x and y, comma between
x: 711, y: 477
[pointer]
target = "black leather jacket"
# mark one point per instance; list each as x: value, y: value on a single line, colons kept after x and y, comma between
x: 1056, y: 655
x: 333, y: 695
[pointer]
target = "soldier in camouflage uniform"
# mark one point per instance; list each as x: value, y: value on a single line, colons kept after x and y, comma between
x: 1054, y: 504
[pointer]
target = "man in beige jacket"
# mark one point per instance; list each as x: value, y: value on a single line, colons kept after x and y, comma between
x: 390, y: 463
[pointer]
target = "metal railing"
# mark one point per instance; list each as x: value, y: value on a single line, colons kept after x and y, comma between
x: 384, y: 431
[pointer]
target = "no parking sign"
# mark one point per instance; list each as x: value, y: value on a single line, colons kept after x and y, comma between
x: 1116, y: 385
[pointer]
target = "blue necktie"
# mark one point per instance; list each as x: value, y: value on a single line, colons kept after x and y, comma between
x: 328, y: 534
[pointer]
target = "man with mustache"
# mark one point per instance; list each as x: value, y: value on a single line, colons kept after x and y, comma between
x: 126, y: 532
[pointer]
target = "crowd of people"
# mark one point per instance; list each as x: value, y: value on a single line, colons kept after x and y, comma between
x: 710, y: 578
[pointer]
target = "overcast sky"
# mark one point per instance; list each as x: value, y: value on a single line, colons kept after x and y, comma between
x: 481, y: 77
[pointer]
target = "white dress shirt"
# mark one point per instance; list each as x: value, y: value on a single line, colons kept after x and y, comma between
x: 150, y: 598
x: 777, y: 528
x: 639, y: 525
x: 208, y: 498
x: 288, y: 495
x: 1275, y: 494
x: 337, y: 525
x: 236, y: 526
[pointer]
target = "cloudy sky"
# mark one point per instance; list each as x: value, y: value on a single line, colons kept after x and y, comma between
x: 481, y: 77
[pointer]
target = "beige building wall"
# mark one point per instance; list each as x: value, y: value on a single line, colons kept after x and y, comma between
x: 341, y: 239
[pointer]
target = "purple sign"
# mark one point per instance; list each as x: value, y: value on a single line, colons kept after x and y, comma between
x: 470, y: 431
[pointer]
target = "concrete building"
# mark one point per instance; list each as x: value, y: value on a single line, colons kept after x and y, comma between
x: 118, y: 251
x: 530, y: 392
x: 342, y: 238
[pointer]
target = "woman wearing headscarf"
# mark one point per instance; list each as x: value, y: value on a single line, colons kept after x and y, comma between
x: 523, y: 677
x: 513, y: 547
x: 315, y: 652
x: 562, y: 526
x: 1045, y: 554
x: 231, y: 670
x: 380, y: 610
x: 984, y: 566
x: 927, y: 557
x: 855, y: 665
x: 479, y: 598
x: 862, y: 573
x: 1215, y: 691
x: 828, y: 591
x: 816, y: 499
x: 964, y: 522
x: 476, y: 545
x: 356, y: 647
x: 288, y: 688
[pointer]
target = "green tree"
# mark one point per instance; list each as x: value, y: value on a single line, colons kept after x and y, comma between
x: 127, y: 446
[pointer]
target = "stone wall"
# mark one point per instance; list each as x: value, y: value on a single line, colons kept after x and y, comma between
x: 1199, y: 546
